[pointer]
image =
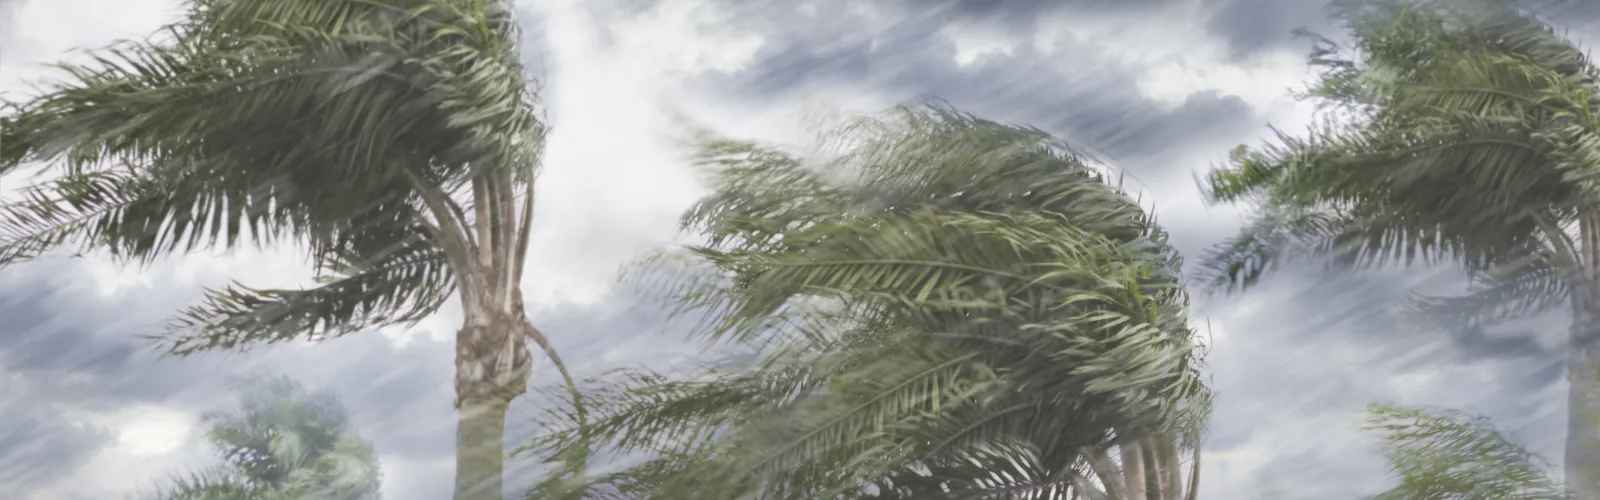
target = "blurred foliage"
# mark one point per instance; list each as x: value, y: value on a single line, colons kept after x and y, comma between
x: 281, y: 443
x: 1449, y: 455
x: 932, y: 305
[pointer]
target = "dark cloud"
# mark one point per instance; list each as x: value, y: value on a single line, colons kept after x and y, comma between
x: 64, y: 348
x: 37, y: 445
x: 1072, y: 89
x: 1312, y: 344
x: 1250, y: 27
x: 64, y: 343
x: 1022, y: 15
x: 1564, y: 12
x: 1301, y: 358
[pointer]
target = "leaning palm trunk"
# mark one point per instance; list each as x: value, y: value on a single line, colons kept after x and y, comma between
x: 398, y: 139
x: 1582, y: 457
x: 1147, y: 469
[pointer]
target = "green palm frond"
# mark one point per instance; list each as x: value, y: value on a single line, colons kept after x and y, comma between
x: 351, y: 127
x: 401, y: 287
x: 940, y: 285
x: 1457, y: 132
x: 215, y: 484
x: 1452, y: 455
x: 1513, y: 291
x: 281, y: 442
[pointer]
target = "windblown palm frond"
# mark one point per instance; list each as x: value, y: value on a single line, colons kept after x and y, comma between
x: 1459, y: 131
x: 343, y: 125
x: 1452, y: 455
x: 1459, y: 137
x: 395, y: 140
x: 282, y: 443
x: 1511, y: 291
x: 942, y: 289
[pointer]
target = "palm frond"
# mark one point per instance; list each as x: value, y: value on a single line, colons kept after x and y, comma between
x: 1514, y: 291
x: 1463, y: 138
x: 359, y: 292
x: 281, y: 442
x: 940, y: 285
x: 345, y: 126
x: 213, y: 484
x: 1452, y: 455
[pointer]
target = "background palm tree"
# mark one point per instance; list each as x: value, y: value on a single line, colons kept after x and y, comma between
x: 937, y: 306
x: 1449, y: 454
x: 1453, y: 131
x: 282, y: 443
x: 397, y: 140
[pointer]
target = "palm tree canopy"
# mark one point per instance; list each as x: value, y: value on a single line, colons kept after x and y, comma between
x: 938, y: 298
x: 1449, y: 454
x: 1451, y: 131
x: 282, y: 443
x: 343, y: 125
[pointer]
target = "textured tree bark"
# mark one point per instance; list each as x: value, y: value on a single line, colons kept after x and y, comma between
x: 1153, y: 470
x: 492, y: 368
x: 1582, y: 462
x: 1171, y: 469
x: 480, y: 456
x: 1194, y: 476
x: 1133, y: 470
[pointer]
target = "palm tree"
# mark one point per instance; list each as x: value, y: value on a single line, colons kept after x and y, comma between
x: 1448, y: 454
x: 282, y: 443
x: 396, y: 140
x: 1456, y: 131
x: 942, y: 306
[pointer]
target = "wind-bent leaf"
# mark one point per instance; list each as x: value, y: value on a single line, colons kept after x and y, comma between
x: 1452, y: 455
x: 281, y: 443
x: 942, y: 289
x: 1453, y: 133
x: 344, y: 126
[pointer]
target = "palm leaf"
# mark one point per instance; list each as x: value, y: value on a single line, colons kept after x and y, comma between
x: 907, y: 301
x: 1451, y: 455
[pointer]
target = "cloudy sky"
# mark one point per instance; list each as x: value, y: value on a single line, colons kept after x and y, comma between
x: 1162, y: 88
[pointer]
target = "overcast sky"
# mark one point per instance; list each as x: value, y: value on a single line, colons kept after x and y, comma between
x: 1163, y: 88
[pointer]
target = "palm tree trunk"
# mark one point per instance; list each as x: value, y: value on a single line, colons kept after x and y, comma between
x: 1154, y: 470
x: 1133, y: 470
x: 480, y: 456
x: 1194, y: 475
x: 1171, y: 477
x: 1582, y: 462
x: 492, y: 368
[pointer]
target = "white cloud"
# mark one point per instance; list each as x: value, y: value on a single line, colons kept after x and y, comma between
x: 52, y: 28
x: 683, y: 38
x: 1174, y: 55
x: 974, y: 41
x: 152, y: 443
x: 612, y: 186
x: 150, y: 430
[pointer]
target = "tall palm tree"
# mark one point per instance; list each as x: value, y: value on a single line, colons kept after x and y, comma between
x: 1455, y: 131
x: 1449, y: 454
x: 282, y: 443
x: 940, y: 306
x: 396, y: 140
